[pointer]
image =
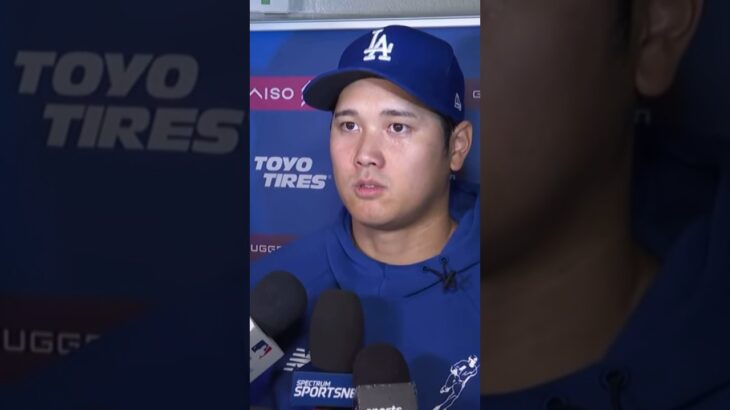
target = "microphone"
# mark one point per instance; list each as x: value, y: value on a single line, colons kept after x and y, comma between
x: 336, y: 330
x: 382, y: 379
x: 335, y: 336
x: 277, y: 301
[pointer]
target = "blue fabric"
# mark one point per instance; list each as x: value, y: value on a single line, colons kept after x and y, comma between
x: 420, y: 63
x: 674, y: 351
x: 405, y: 306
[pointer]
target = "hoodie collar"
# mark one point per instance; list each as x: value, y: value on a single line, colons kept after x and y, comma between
x: 355, y: 270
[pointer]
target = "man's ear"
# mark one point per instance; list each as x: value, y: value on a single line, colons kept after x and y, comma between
x: 459, y: 145
x: 663, y: 29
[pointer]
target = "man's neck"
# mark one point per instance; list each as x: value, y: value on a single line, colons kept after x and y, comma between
x: 408, y: 245
x: 560, y: 306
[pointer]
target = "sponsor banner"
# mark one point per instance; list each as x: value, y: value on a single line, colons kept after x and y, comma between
x: 125, y: 147
x: 123, y: 173
x: 278, y: 93
x: 35, y: 331
x: 286, y: 93
x: 289, y: 172
x: 262, y: 245
x: 108, y: 77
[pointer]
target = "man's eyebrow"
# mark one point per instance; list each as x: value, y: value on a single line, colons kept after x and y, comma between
x: 398, y: 113
x: 385, y: 113
x: 348, y: 112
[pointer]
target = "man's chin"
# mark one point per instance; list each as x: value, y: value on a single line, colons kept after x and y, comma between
x: 375, y: 222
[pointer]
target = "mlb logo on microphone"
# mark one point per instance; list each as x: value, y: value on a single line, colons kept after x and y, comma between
x: 262, y: 348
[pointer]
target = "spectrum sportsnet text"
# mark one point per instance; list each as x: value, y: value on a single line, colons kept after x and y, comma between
x: 322, y: 389
x: 289, y: 172
x: 167, y: 77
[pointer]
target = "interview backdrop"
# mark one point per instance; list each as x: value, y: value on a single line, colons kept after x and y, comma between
x: 292, y: 190
x: 122, y: 196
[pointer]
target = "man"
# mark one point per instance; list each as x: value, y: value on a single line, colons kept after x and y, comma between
x: 587, y: 302
x: 407, y: 239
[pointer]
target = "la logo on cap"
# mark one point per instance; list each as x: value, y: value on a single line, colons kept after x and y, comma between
x: 378, y: 44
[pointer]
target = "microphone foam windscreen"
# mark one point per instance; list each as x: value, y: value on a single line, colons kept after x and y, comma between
x: 277, y: 301
x: 336, y: 331
x: 380, y: 363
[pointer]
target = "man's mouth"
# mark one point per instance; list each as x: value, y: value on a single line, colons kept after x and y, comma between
x: 368, y: 189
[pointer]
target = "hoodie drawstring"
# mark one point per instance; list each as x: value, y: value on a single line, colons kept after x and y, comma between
x: 448, y: 277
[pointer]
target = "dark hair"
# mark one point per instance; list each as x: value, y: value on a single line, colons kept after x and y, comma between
x: 447, y: 126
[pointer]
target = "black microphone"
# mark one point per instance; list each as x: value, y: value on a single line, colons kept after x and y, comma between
x: 383, y: 380
x: 336, y: 331
x: 335, y: 336
x: 277, y: 302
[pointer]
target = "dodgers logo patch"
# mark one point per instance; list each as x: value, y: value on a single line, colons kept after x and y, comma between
x: 378, y: 45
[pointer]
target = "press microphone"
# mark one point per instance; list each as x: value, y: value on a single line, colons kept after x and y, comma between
x: 335, y: 336
x: 382, y: 380
x: 277, y: 302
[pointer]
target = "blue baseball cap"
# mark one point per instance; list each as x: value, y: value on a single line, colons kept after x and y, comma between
x: 422, y: 65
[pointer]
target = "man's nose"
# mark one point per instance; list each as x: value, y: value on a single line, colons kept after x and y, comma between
x: 369, y: 150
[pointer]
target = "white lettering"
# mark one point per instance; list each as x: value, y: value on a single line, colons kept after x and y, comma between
x: 123, y: 124
x: 160, y: 72
x: 274, y: 163
x: 90, y: 128
x: 43, y: 342
x: 121, y: 78
x: 68, y: 342
x: 80, y: 73
x: 262, y: 248
x: 32, y: 63
x: 219, y: 127
x: 61, y: 117
x: 169, y: 76
x: 301, y: 164
x: 90, y: 68
x: 314, y: 390
x: 273, y: 93
x: 378, y: 44
x: 172, y: 129
x: 9, y: 347
x: 304, y: 164
x: 393, y: 407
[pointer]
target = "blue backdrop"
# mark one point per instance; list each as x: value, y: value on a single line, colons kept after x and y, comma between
x: 123, y: 210
x: 291, y: 185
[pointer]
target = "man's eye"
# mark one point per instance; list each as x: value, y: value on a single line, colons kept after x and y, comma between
x: 399, y: 128
x: 349, y: 126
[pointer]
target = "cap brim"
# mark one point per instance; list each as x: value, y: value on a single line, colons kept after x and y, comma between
x: 324, y: 90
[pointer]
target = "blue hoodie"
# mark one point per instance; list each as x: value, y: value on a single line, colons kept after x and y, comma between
x: 674, y: 351
x: 406, y: 306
